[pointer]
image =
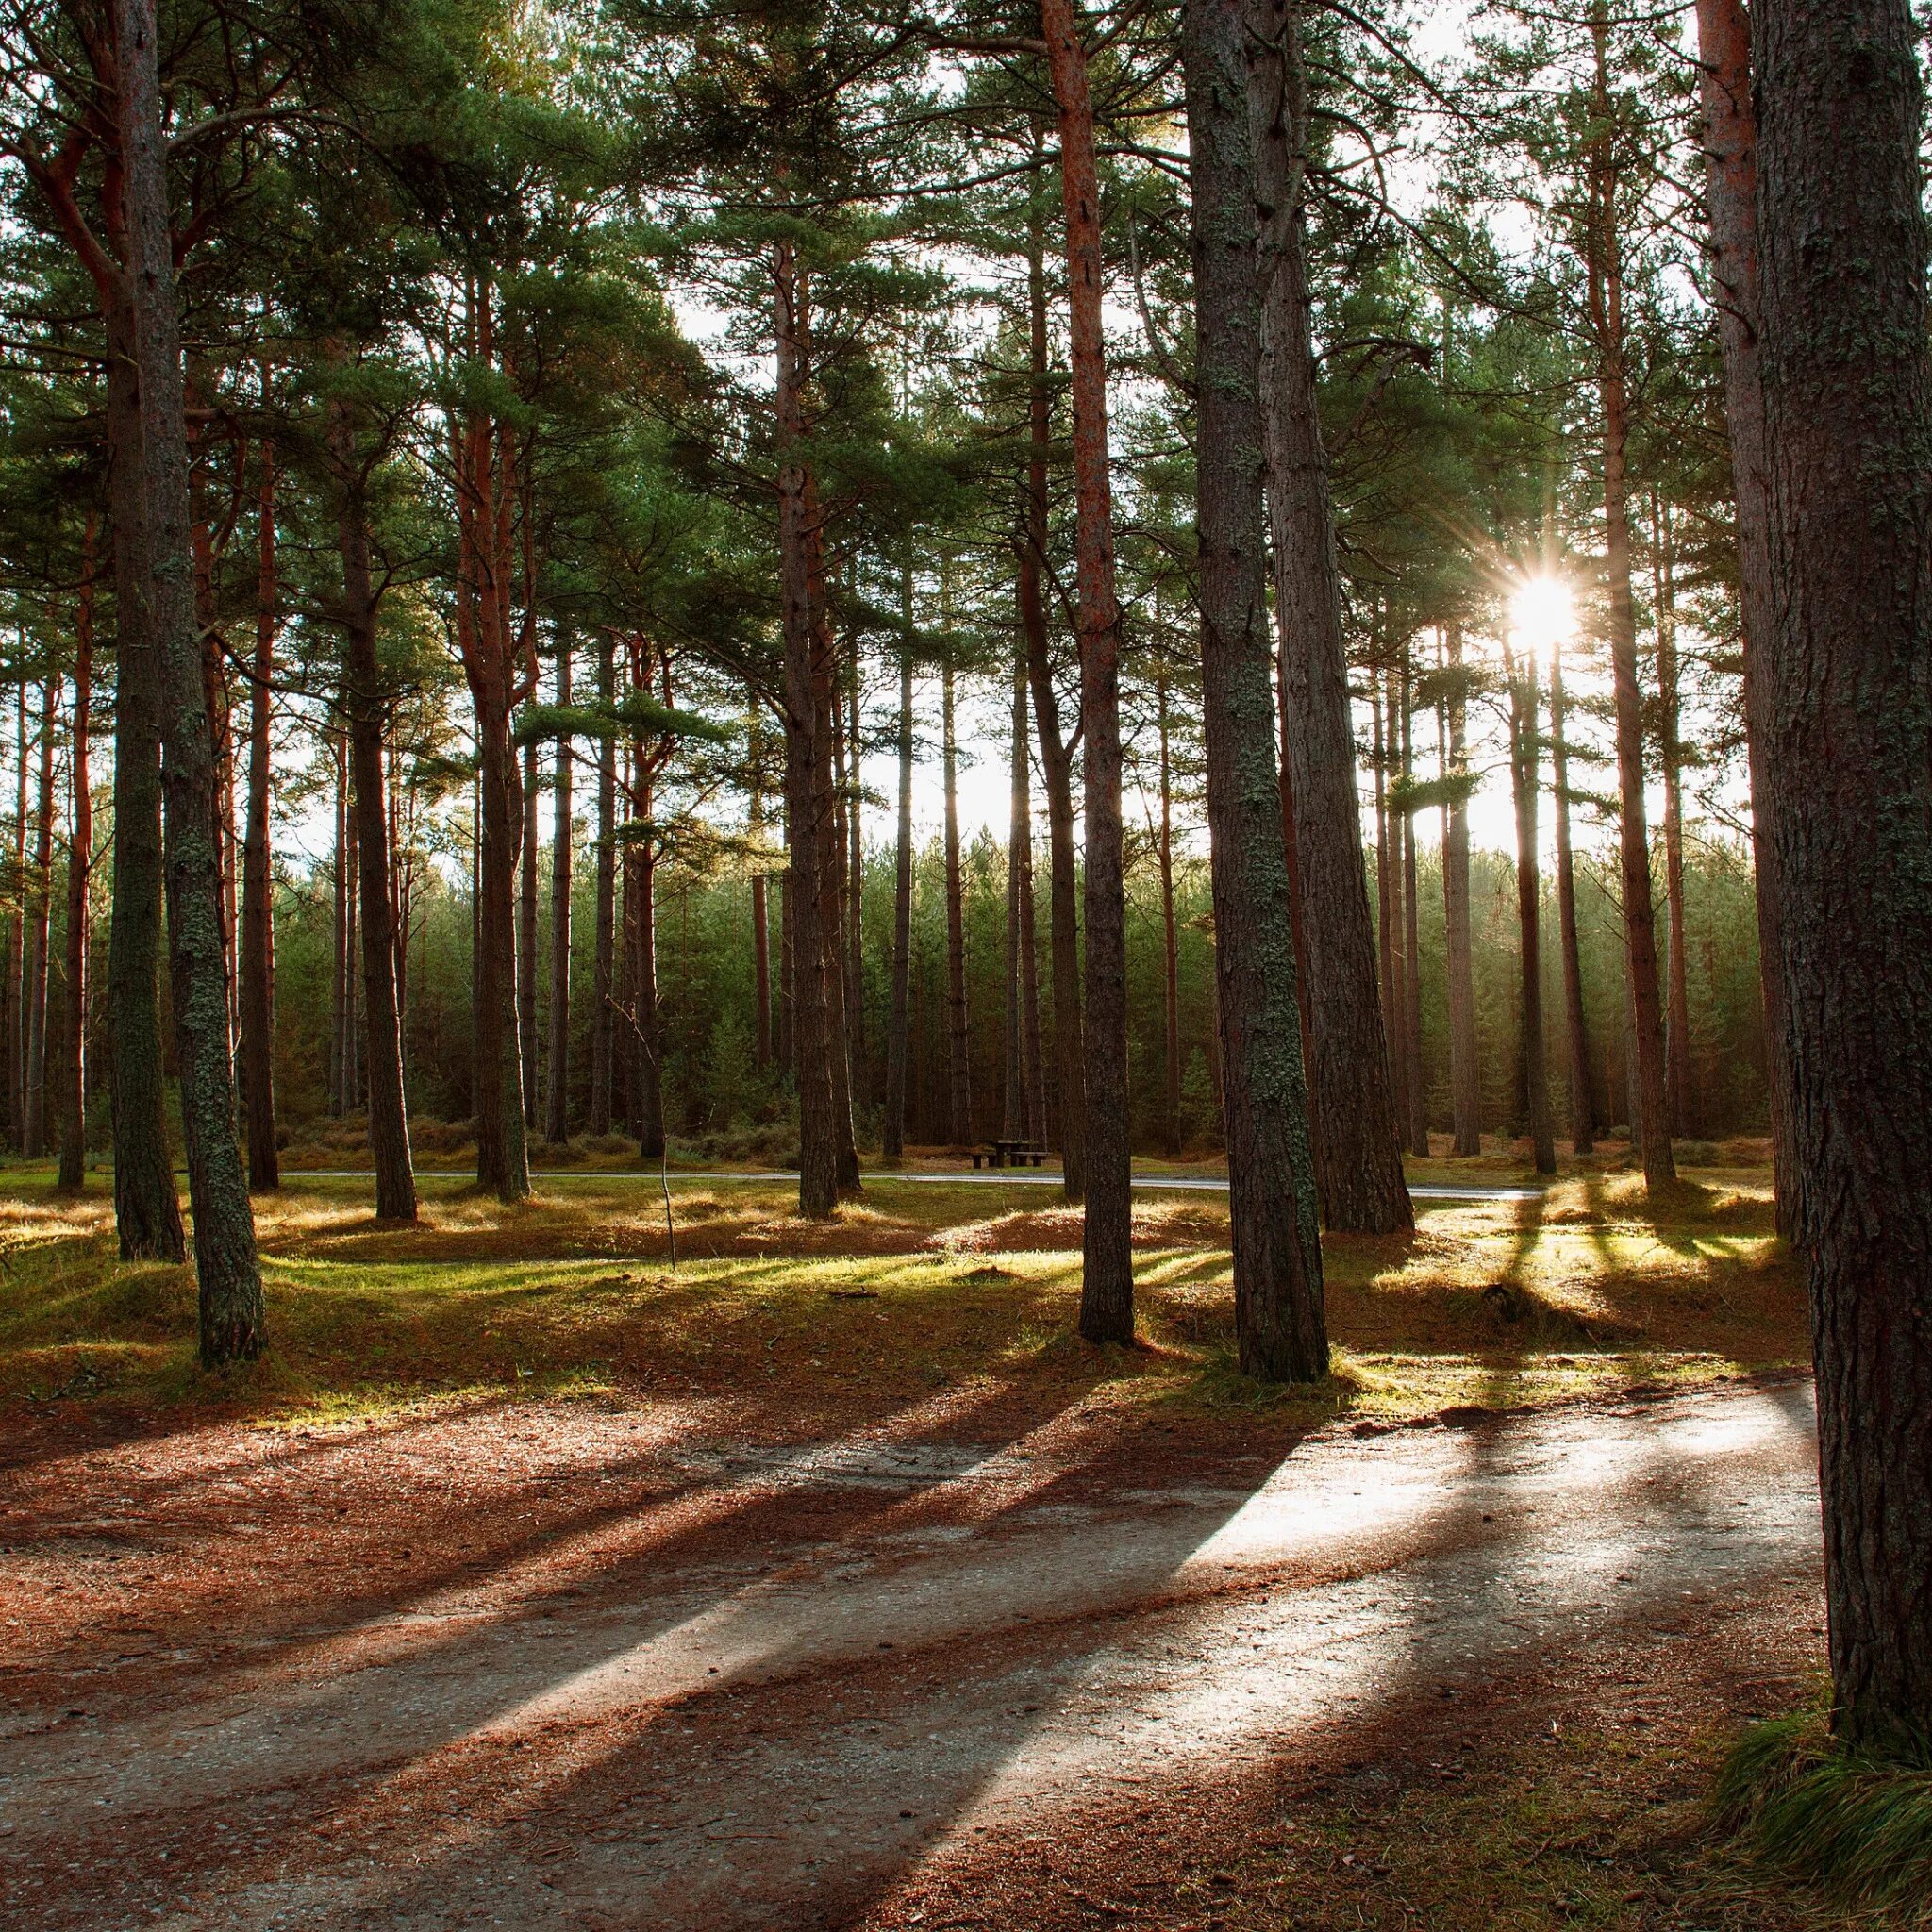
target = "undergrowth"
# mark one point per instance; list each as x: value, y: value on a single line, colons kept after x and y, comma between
x: 1856, y: 1822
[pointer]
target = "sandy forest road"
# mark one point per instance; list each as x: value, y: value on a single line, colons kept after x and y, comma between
x: 810, y: 1684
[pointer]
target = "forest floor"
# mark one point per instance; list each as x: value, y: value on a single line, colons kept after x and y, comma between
x: 824, y: 1581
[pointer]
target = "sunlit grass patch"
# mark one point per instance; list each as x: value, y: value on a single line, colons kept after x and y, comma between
x: 918, y: 1286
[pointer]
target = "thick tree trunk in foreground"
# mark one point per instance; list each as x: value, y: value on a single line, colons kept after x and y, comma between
x: 1351, y: 1090
x: 1465, y: 1075
x: 1605, y: 274
x: 1724, y: 41
x: 1582, y: 1124
x: 556, y: 1098
x: 898, y: 1042
x: 1277, y: 1251
x: 363, y: 702
x: 1107, y: 1288
x: 72, y: 1090
x: 1525, y: 757
x: 258, y: 987
x: 229, y: 1276
x: 1848, y: 667
x: 1056, y: 755
x: 603, y: 955
x: 959, y: 1068
x: 147, y: 1213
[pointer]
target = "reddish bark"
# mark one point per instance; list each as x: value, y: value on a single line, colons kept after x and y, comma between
x: 1106, y: 1291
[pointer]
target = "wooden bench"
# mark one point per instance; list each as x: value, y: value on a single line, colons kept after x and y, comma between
x: 1005, y: 1153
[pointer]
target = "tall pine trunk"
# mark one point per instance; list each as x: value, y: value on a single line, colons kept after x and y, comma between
x: 603, y: 941
x: 258, y: 1028
x: 1582, y: 1124
x: 1465, y: 1074
x: 1606, y: 280
x: 898, y: 1040
x: 1170, y: 949
x: 72, y: 1093
x: 1106, y: 1286
x: 1019, y: 861
x: 1730, y: 186
x: 228, y: 1274
x: 819, y: 1148
x: 40, y: 908
x: 527, y: 899
x: 1279, y: 1323
x: 556, y: 1100
x: 1524, y: 760
x: 1056, y: 755
x: 364, y: 702
x: 760, y: 913
x: 147, y: 1213
x: 1413, y: 1092
x: 1848, y: 665
x: 1670, y: 756
x: 1355, y: 1125
x: 958, y: 1067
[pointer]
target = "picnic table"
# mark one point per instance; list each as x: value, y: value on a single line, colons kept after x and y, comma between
x: 1005, y: 1153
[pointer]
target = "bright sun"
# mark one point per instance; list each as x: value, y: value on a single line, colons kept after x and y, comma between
x: 1542, y: 613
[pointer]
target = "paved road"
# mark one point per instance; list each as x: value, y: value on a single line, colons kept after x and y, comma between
x: 1001, y: 1177
x: 800, y: 1681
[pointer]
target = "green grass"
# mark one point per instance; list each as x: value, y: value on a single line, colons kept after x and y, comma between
x: 1584, y: 1290
x: 1854, y: 1823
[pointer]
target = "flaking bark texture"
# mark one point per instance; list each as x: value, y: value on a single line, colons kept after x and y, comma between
x: 1848, y: 707
x: 226, y: 1269
x: 1106, y: 1288
x: 1277, y: 1246
x: 1357, y: 1129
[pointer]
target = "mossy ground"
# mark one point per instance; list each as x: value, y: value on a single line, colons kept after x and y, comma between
x: 1590, y: 1289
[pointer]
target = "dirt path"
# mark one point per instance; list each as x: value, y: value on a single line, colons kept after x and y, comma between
x: 641, y: 1672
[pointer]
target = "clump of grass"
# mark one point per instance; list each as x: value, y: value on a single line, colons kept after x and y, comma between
x: 1855, y: 1822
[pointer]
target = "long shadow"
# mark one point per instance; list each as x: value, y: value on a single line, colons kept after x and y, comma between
x: 773, y: 1505
x: 821, y: 1776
